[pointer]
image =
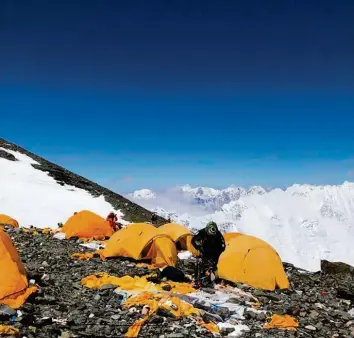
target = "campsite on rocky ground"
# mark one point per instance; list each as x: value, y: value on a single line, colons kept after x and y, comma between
x: 79, y: 279
x: 317, y: 303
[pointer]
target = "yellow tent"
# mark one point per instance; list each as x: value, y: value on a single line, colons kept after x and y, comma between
x: 180, y: 235
x: 231, y: 235
x: 142, y: 241
x: 13, y: 280
x: 250, y: 260
x: 7, y: 220
x: 86, y: 224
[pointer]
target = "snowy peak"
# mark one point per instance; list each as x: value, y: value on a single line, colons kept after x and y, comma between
x: 37, y: 192
x: 304, y: 223
x: 256, y: 190
x: 143, y: 194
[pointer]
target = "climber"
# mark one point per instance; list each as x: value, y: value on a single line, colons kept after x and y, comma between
x: 211, y: 244
x: 153, y: 218
x: 169, y: 220
x: 113, y: 221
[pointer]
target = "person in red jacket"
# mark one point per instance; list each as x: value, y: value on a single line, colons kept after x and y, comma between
x: 112, y: 219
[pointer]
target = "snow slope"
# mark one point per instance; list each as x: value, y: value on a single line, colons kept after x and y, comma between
x: 34, y: 198
x: 303, y: 223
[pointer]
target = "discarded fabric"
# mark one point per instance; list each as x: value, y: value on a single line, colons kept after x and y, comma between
x: 133, y: 283
x: 82, y: 256
x: 284, y: 322
x: 173, y: 305
x: 8, y: 330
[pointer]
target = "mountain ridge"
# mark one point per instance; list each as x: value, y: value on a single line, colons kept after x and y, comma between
x: 132, y: 211
x: 303, y: 223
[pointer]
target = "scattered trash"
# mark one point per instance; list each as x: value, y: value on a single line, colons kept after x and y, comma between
x: 123, y: 295
x: 284, y: 322
x: 184, y: 255
x: 8, y: 330
x: 60, y: 236
x: 237, y: 330
x: 94, y: 245
x: 82, y: 256
x: 145, y: 310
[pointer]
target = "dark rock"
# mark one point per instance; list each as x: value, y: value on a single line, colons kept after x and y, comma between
x: 167, y: 287
x: 332, y: 268
x: 7, y: 156
x: 43, y: 321
x: 261, y: 317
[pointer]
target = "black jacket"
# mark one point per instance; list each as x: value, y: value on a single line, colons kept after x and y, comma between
x: 211, y: 247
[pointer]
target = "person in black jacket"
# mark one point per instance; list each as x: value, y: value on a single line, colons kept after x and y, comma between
x: 154, y: 218
x: 210, y: 243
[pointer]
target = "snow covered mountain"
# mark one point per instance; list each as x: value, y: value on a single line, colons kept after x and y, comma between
x: 304, y: 223
x: 143, y: 194
x: 37, y: 192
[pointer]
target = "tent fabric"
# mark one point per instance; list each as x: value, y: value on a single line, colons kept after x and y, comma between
x: 284, y: 322
x: 86, y: 224
x: 162, y: 252
x: 7, y: 220
x: 8, y: 330
x: 231, y: 235
x: 13, y: 281
x: 252, y: 261
x: 173, y: 305
x: 175, y: 231
x: 133, y: 284
x: 181, y: 235
x: 141, y: 241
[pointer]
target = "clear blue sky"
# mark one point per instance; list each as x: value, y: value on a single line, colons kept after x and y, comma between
x: 145, y: 93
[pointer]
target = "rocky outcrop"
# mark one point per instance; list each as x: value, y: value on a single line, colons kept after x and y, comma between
x: 336, y: 268
x: 4, y: 154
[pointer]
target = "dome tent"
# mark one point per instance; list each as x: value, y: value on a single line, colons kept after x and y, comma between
x: 13, y: 281
x: 142, y: 241
x: 86, y: 224
x: 252, y: 261
x: 7, y: 220
x: 180, y: 235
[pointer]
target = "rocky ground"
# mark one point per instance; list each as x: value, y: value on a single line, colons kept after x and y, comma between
x: 63, y: 308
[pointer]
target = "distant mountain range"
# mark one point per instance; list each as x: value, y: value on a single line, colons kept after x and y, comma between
x: 303, y: 222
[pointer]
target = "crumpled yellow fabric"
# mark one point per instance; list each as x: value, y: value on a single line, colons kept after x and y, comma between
x: 82, y: 256
x: 8, y: 330
x: 212, y: 327
x: 134, y: 330
x: 94, y: 238
x: 136, y: 283
x: 17, y: 300
x: 177, y: 307
x: 284, y: 322
x: 47, y: 231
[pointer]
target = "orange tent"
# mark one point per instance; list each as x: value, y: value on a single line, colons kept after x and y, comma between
x: 13, y: 281
x: 180, y: 235
x: 7, y: 220
x: 86, y: 224
x: 252, y: 261
x: 141, y: 241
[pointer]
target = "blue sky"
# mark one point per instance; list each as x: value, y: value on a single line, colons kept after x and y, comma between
x: 138, y: 94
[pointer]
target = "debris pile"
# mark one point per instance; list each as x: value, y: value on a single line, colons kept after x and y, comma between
x: 316, y: 304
